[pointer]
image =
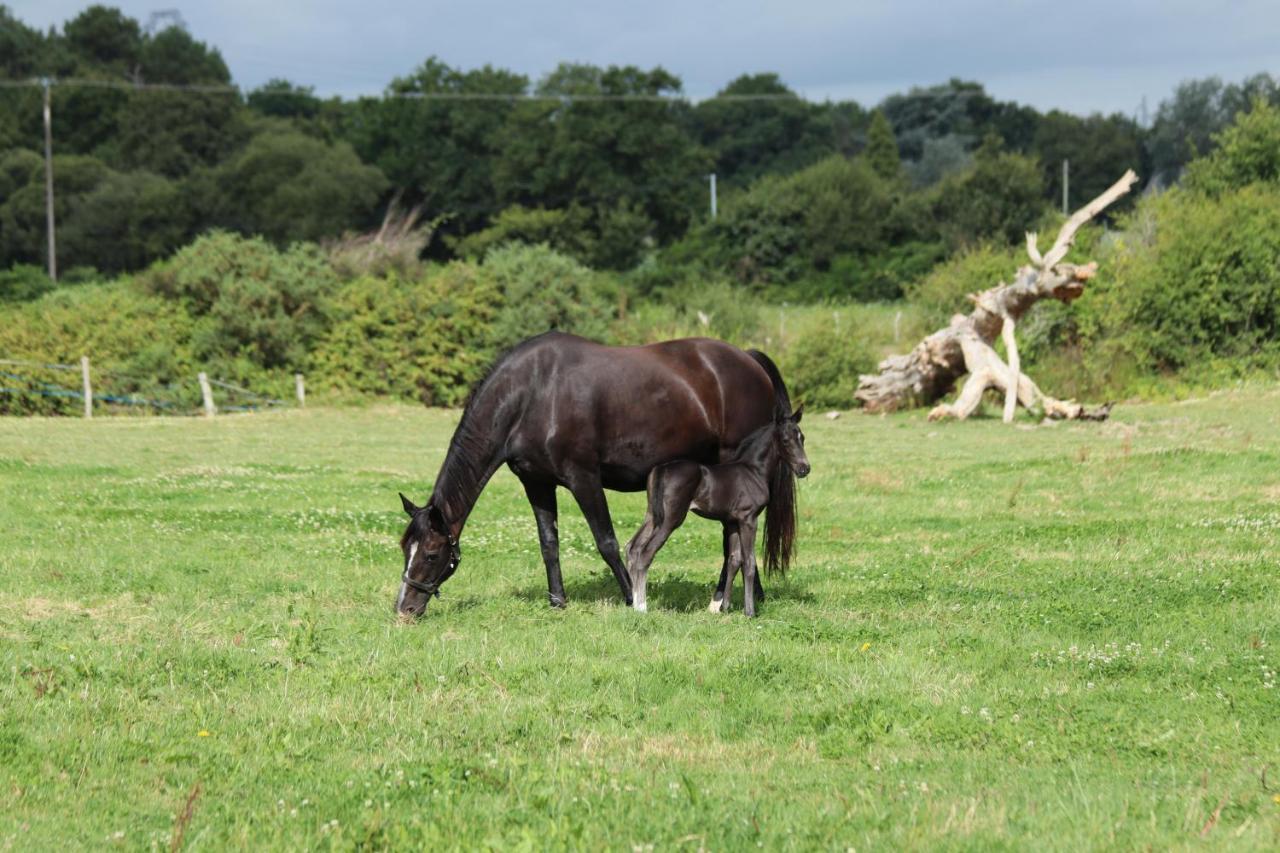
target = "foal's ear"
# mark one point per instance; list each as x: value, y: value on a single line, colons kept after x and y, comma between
x: 798, y: 413
x: 408, y: 505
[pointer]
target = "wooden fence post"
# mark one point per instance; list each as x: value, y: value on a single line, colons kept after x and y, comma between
x: 207, y: 393
x: 88, y: 387
x: 301, y: 389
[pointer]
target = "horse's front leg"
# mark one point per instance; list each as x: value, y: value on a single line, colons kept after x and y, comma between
x: 589, y: 493
x: 542, y: 497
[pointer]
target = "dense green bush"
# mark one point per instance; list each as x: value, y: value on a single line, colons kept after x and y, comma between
x: 822, y: 367
x: 563, y: 230
x: 942, y: 292
x: 23, y: 283
x: 879, y: 277
x: 286, y: 185
x: 254, y: 303
x: 1248, y: 152
x: 995, y: 200
x: 1203, y: 284
x: 138, y: 343
x: 542, y: 290
x: 707, y: 309
x: 783, y: 228
x: 427, y: 339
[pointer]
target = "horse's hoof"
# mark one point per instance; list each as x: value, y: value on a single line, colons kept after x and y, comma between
x: 642, y: 607
x: 557, y: 602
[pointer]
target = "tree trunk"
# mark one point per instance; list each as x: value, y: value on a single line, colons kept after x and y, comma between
x: 930, y: 371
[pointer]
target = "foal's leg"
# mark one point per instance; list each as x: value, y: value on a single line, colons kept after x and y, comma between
x: 747, y: 542
x: 724, y: 588
x: 722, y: 600
x: 589, y: 493
x: 542, y: 497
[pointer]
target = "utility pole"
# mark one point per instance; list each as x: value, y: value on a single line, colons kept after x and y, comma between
x: 713, y: 195
x: 48, y: 182
x: 1066, y: 180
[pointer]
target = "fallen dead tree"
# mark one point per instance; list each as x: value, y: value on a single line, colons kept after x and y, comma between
x: 927, y: 373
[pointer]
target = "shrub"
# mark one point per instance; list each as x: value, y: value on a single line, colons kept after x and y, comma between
x: 1247, y: 152
x: 138, y: 343
x: 942, y: 292
x: 879, y: 277
x: 565, y: 231
x: 426, y: 339
x: 542, y: 290
x: 782, y: 228
x: 997, y: 199
x: 255, y: 303
x: 287, y: 186
x: 822, y: 367
x: 1205, y: 284
x: 23, y: 283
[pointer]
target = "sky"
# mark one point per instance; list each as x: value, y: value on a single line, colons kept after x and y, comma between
x: 1083, y: 56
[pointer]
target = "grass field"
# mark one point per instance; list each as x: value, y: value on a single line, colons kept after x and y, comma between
x: 1055, y: 637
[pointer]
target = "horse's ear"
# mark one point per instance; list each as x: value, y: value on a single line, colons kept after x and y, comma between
x: 408, y: 505
x: 799, y: 412
x: 436, y: 519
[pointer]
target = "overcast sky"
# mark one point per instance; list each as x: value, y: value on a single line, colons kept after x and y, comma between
x: 1079, y: 55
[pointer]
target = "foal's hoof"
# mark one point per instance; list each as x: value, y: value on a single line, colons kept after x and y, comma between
x: 557, y: 601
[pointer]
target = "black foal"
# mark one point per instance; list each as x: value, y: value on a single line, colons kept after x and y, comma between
x: 733, y: 493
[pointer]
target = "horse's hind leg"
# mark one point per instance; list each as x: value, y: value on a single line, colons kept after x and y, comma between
x: 747, y: 543
x: 637, y: 567
x: 542, y: 497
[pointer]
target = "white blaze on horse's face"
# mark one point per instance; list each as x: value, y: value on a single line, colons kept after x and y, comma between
x: 404, y: 587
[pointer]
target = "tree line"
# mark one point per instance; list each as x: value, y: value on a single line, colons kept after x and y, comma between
x: 607, y: 165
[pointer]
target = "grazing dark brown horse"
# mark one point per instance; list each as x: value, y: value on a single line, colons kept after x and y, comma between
x: 560, y: 410
x: 761, y: 473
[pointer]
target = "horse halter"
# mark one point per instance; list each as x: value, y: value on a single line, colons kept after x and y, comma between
x: 430, y: 589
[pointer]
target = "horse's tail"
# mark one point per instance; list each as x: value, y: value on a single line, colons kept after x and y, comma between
x: 780, y: 519
x: 781, y: 399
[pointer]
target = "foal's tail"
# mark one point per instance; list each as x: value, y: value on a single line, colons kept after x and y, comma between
x: 780, y: 518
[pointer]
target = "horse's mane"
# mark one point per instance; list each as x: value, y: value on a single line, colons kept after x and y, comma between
x: 460, y: 459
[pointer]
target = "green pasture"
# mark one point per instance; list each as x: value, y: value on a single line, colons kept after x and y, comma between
x: 1025, y: 637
